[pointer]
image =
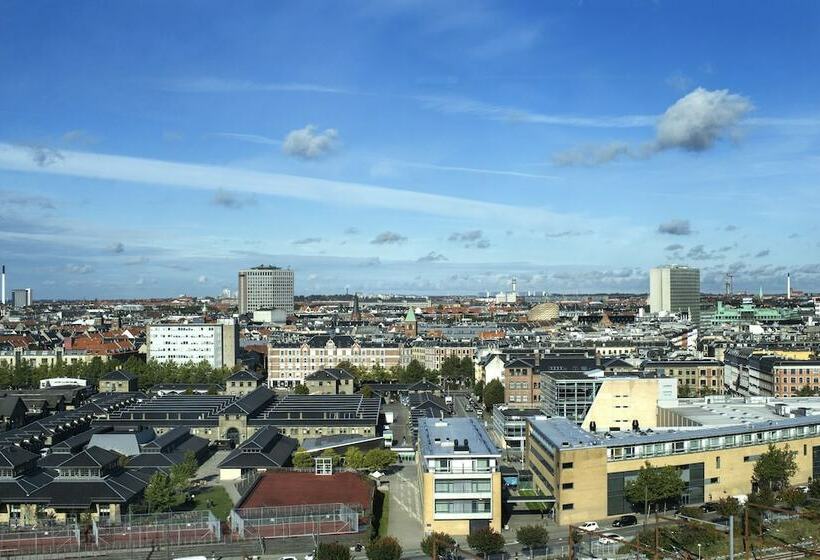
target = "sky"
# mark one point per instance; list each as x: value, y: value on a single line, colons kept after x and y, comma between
x: 155, y: 148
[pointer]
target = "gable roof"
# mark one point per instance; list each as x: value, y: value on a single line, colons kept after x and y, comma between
x: 118, y: 375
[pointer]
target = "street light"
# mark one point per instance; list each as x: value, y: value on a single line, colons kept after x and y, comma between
x: 698, y: 551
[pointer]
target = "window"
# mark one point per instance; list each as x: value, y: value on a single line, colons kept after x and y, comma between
x: 567, y: 486
x: 566, y: 465
x: 717, y: 462
x: 567, y: 507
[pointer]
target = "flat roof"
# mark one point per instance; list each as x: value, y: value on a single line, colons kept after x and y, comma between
x: 437, y: 437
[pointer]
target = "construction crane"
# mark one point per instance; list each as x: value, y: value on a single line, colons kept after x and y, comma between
x: 728, y: 283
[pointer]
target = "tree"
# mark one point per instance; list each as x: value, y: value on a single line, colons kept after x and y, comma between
x: 814, y: 489
x: 354, y: 458
x: 493, y: 394
x: 774, y: 468
x: 302, y: 459
x: 414, y: 371
x: 301, y: 389
x: 384, y: 548
x: 332, y: 455
x: 478, y: 390
x: 793, y: 497
x: 485, y: 541
x: 654, y: 486
x: 160, y: 493
x: 728, y: 505
x: 379, y: 459
x: 532, y: 536
x: 807, y: 391
x: 332, y: 551
x: 442, y: 542
x: 366, y: 391
x: 355, y: 371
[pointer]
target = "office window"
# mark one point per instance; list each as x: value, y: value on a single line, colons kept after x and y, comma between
x: 566, y: 465
x: 567, y: 486
x: 567, y: 507
x: 717, y: 462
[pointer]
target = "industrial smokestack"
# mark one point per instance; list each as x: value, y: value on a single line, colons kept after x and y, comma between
x: 3, y: 289
x: 788, y: 285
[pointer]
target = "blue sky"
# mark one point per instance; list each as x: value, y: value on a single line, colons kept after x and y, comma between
x: 154, y: 148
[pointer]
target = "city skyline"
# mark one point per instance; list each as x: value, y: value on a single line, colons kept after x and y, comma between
x: 414, y: 147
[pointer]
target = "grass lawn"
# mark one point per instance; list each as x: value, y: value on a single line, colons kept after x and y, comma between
x: 532, y: 506
x: 385, y: 518
x: 220, y: 502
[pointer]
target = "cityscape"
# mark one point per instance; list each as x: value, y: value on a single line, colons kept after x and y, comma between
x: 427, y: 280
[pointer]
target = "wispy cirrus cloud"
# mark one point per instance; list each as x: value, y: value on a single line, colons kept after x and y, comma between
x: 220, y: 85
x: 432, y: 256
x: 476, y: 170
x: 213, y: 178
x: 252, y: 138
x: 307, y: 241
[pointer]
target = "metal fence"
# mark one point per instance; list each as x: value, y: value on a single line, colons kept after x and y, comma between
x: 294, y: 521
x: 40, y: 540
x: 153, y: 530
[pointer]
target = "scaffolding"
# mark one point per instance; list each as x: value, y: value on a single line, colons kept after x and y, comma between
x: 51, y: 538
x: 156, y: 530
x: 294, y: 521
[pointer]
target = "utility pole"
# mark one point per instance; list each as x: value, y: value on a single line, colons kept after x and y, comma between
x: 731, y: 537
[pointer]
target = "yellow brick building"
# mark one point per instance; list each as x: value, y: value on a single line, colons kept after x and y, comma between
x: 459, y: 476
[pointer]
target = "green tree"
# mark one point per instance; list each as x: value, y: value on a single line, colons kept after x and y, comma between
x: 354, y: 458
x: 183, y: 472
x: 332, y: 455
x: 332, y: 551
x: 366, y: 391
x: 302, y: 459
x: 793, y: 497
x: 814, y: 489
x: 728, y: 505
x: 442, y: 542
x: 160, y: 493
x: 379, y: 459
x: 493, y: 394
x: 384, y: 548
x: 414, y: 371
x: 355, y: 371
x: 654, y: 486
x: 774, y: 468
x: 478, y: 390
x: 485, y: 541
x: 301, y: 389
x: 532, y: 536
x: 807, y: 391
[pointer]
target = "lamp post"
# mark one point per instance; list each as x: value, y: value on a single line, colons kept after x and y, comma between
x: 698, y: 551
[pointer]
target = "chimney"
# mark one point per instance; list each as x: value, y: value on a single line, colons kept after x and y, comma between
x: 788, y: 285
x: 3, y: 281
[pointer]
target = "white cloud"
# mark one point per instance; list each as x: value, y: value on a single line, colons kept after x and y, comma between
x: 252, y: 138
x: 698, y: 120
x: 694, y: 123
x: 310, y: 143
x: 388, y: 238
x: 79, y: 268
x: 380, y: 166
x: 106, y: 167
x: 675, y: 227
x: 218, y: 85
x: 202, y: 279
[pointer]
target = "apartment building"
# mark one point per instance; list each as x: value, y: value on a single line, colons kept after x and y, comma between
x: 695, y: 376
x: 289, y: 364
x: 522, y: 382
x: 431, y: 354
x: 751, y: 372
x: 214, y: 343
x: 459, y: 474
x: 265, y: 287
x: 587, y: 473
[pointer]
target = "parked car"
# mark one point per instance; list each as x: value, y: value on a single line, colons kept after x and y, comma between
x: 625, y: 521
x: 588, y: 526
x: 708, y: 507
x: 610, y: 538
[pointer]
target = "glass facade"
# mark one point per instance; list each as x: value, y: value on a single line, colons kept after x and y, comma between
x: 617, y: 504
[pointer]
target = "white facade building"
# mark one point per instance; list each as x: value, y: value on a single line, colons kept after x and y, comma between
x: 214, y: 343
x: 265, y: 287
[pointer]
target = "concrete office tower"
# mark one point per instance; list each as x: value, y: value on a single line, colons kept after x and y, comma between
x: 265, y: 287
x: 675, y: 289
x: 21, y: 298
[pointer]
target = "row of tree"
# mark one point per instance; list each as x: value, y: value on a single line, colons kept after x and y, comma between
x: 454, y: 370
x: 376, y: 459
x: 149, y: 373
